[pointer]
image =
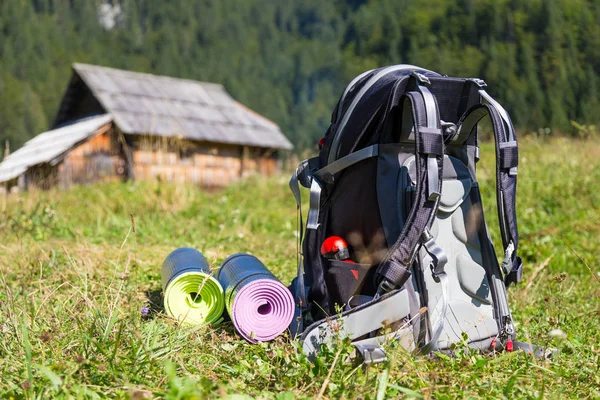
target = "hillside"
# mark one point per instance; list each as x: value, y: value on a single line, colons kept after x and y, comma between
x: 75, y: 274
x: 289, y: 60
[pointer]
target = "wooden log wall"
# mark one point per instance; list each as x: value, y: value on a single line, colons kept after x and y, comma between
x: 204, y: 164
x: 42, y: 176
x: 100, y: 159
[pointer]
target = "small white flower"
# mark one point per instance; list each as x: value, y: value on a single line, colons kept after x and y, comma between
x: 240, y: 235
x: 557, y: 333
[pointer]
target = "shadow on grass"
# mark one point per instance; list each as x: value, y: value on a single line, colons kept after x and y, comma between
x: 155, y: 302
x: 156, y: 307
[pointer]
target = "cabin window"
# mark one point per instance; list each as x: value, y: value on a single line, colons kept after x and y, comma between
x: 186, y: 155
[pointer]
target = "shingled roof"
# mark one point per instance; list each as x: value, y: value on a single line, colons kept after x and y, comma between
x: 146, y: 104
x: 51, y: 146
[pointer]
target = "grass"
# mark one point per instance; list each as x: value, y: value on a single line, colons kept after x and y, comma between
x: 74, y: 276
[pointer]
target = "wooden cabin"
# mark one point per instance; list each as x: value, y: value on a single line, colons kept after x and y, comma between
x: 114, y: 125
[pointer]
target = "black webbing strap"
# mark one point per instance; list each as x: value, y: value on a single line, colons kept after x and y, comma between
x: 394, y: 270
x: 302, y: 176
x: 507, y: 156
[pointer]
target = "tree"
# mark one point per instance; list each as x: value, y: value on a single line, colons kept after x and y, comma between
x: 290, y: 60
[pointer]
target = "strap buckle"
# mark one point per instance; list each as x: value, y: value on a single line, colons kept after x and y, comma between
x: 315, y: 202
x: 511, y: 266
x: 438, y: 255
x: 479, y: 82
x: 449, y: 131
x: 509, y: 327
x: 516, y: 273
x: 433, y: 178
x: 507, y: 262
x: 385, y: 286
x: 536, y: 351
x: 371, y: 353
x: 421, y: 78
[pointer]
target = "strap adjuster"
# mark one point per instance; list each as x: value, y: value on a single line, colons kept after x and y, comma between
x: 384, y: 287
x: 509, y: 155
x: 438, y: 255
x: 516, y: 273
x: 479, y: 82
x: 370, y: 353
x: 508, y: 254
x: 421, y: 78
x: 449, y: 130
x: 511, y: 266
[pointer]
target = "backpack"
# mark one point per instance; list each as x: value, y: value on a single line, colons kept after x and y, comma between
x: 394, y: 184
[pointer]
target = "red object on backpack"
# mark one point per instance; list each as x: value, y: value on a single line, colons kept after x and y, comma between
x: 336, y: 248
x: 509, y: 345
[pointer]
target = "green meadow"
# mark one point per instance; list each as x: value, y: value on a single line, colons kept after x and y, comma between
x: 77, y: 267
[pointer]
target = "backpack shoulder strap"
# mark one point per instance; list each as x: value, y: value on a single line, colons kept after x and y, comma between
x: 420, y: 107
x: 506, y: 174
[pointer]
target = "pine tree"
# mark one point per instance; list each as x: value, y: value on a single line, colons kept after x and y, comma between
x: 290, y: 60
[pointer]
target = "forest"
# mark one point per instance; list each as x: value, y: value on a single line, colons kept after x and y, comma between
x: 290, y: 59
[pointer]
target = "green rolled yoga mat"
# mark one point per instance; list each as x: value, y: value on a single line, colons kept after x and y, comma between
x: 192, y: 294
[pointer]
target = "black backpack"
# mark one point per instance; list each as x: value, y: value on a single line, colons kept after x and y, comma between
x: 396, y: 239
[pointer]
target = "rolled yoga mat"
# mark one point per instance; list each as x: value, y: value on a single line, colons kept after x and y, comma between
x: 192, y: 294
x: 260, y: 306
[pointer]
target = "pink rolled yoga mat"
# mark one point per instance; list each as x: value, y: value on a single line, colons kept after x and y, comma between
x: 259, y: 305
